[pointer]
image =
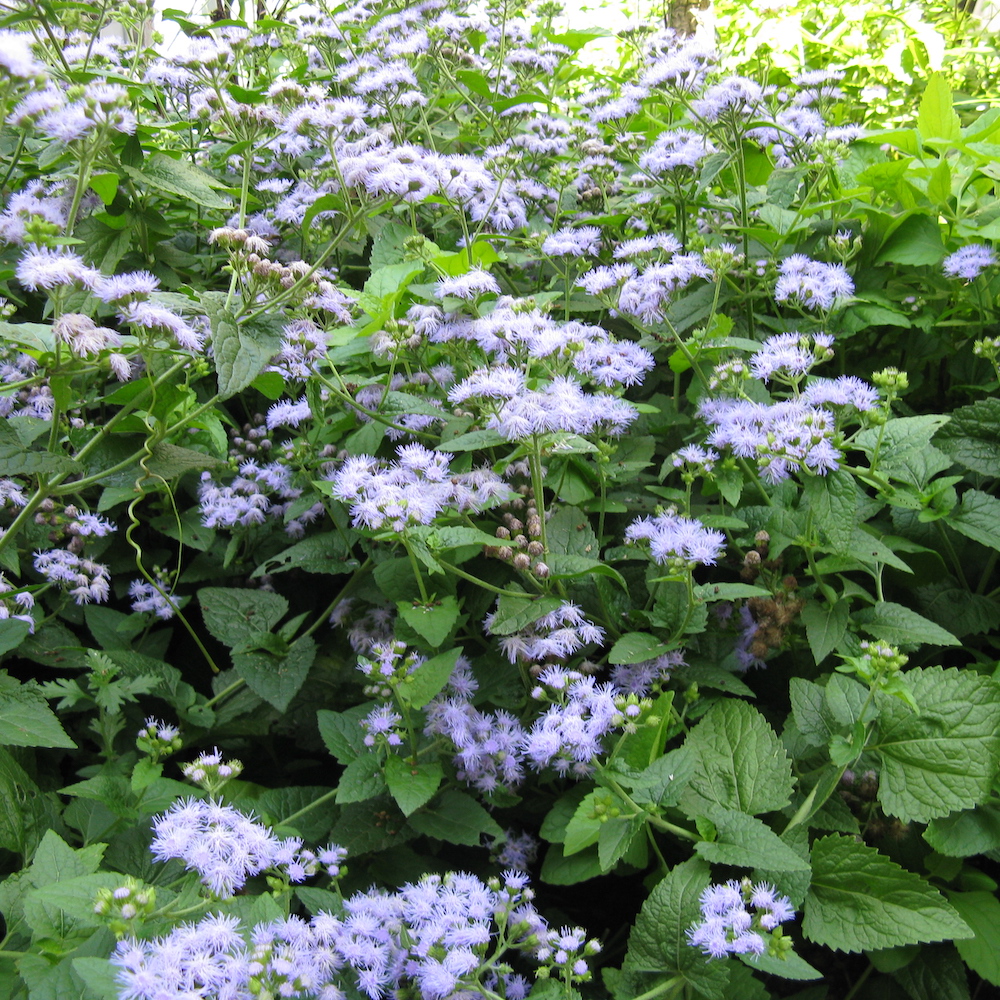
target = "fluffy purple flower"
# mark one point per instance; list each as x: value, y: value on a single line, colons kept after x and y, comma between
x: 647, y: 295
x: 83, y: 579
x: 468, y: 286
x: 610, y: 364
x: 727, y: 925
x: 570, y: 242
x: 44, y: 268
x: 811, y: 283
x: 789, y: 356
x: 673, y: 150
x: 969, y: 262
x: 146, y: 597
x: 674, y: 537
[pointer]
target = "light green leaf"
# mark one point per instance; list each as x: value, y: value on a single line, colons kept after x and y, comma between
x: 324, y: 553
x: 557, y: 869
x: 898, y: 625
x: 362, y: 780
x: 411, y: 785
x: 25, y: 717
x: 903, y: 447
x: 658, y: 943
x: 739, y: 762
x: 516, y: 613
x: 860, y: 900
x: 170, y: 461
x: 429, y: 678
x: 584, y: 827
x: 972, y: 436
x: 455, y: 818
x: 180, y: 178
x: 637, y: 647
x: 936, y: 117
x: 342, y: 732
x: 434, y: 621
x: 826, y: 625
x: 616, y: 837
x: 981, y: 952
x: 965, y: 833
x: 944, y: 757
x: 790, y: 966
x: 747, y: 842
x: 242, y: 349
x: 100, y: 977
x: 473, y: 441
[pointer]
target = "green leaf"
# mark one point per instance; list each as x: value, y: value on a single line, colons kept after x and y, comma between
x: 747, y: 842
x: 860, y: 900
x: 826, y: 626
x: 944, y: 757
x: 977, y: 517
x: 658, y: 942
x: 428, y: 679
x: 342, y: 732
x: 584, y: 827
x: 616, y: 837
x: 277, y: 679
x: 456, y: 818
x: 558, y: 869
x: 25, y: 717
x: 55, y: 861
x: 100, y: 977
x: 237, y: 617
x: 242, y: 349
x: 473, y: 441
x: 813, y: 718
x: 967, y: 832
x: 917, y: 240
x: 981, y: 952
x: 434, y: 622
x: 936, y: 973
x: 789, y: 966
x: 637, y: 647
x: 569, y: 566
x: 411, y: 785
x: 936, y: 117
x: 324, y: 553
x: 972, y: 436
x: 833, y: 501
x: 513, y: 614
x: 898, y: 625
x: 739, y: 762
x: 362, y: 780
x: 181, y: 178
x: 65, y: 909
x: 709, y: 592
x: 903, y: 447
x: 170, y: 461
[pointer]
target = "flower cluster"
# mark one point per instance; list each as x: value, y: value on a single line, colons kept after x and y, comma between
x: 812, y: 284
x: 554, y: 636
x: 226, y: 847
x: 740, y: 918
x: 680, y: 541
x: 430, y: 939
x: 413, y: 490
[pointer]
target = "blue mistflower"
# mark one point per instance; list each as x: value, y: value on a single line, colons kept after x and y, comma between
x: 969, y: 262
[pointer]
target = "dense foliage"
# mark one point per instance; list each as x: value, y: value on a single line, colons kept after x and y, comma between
x: 478, y: 522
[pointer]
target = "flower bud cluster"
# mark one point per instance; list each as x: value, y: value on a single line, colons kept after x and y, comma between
x: 210, y: 772
x: 125, y: 906
x: 742, y: 918
x: 158, y: 739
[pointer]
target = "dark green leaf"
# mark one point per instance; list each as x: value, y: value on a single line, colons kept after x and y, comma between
x: 896, y: 624
x: 455, y: 818
x: 826, y: 625
x: 981, y: 952
x: 433, y: 622
x: 277, y: 679
x: 972, y: 436
x: 411, y: 785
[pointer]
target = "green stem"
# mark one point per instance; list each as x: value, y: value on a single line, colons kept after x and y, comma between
x: 340, y: 596
x: 669, y: 986
x: 482, y: 583
x: 859, y: 982
x: 224, y: 693
x: 416, y: 572
x: 953, y: 555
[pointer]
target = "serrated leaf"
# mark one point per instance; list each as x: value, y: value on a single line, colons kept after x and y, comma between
x: 411, y: 785
x: 789, y: 966
x: 903, y: 448
x: 826, y: 625
x: 977, y: 517
x: 569, y: 566
x: 616, y: 837
x: 433, y: 622
x: 242, y: 349
x: 967, y: 832
x: 26, y: 719
x: 362, y: 780
x: 944, y: 757
x: 429, y: 678
x: 747, y: 842
x: 860, y: 900
x: 342, y: 732
x: 900, y: 626
x: 557, y: 869
x: 833, y: 503
x: 936, y: 117
x: 180, y: 178
x: 236, y: 616
x: 324, y: 553
x: 169, y: 461
x: 936, y: 973
x: 658, y: 942
x: 584, y: 826
x: 972, y: 436
x: 981, y: 952
x: 515, y: 613
x: 637, y: 647
x: 473, y: 441
x: 277, y: 679
x: 456, y: 818
x: 739, y: 762
x: 812, y: 716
